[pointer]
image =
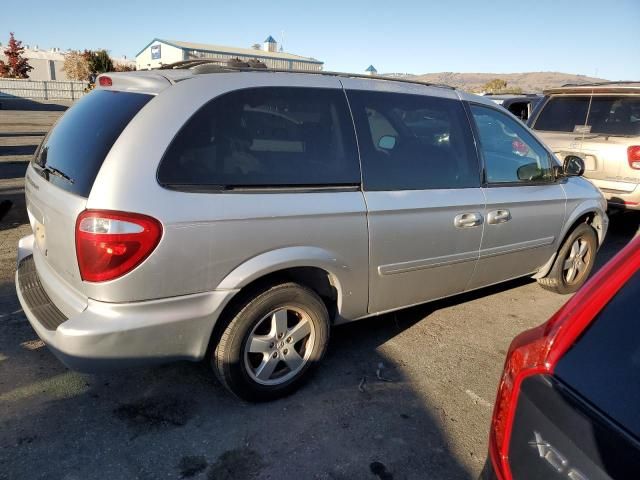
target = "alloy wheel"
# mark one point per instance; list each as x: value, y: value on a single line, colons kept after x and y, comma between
x: 577, y: 261
x: 279, y: 346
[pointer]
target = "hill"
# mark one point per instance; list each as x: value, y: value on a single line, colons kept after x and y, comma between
x: 529, y: 82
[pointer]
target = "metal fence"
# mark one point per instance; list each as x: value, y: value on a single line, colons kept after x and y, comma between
x: 41, y: 89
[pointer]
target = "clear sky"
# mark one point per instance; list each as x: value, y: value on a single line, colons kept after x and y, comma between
x: 574, y: 36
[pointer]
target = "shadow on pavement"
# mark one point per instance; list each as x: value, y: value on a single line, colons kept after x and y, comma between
x: 13, y: 171
x: 12, y: 150
x: 15, y: 103
x: 12, y: 205
x: 359, y: 417
x: 169, y: 420
x: 22, y: 134
x: 623, y: 226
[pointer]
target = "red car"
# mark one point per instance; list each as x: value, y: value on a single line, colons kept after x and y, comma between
x: 568, y: 403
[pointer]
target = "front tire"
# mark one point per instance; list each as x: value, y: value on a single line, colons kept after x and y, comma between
x: 574, y: 261
x: 270, y: 346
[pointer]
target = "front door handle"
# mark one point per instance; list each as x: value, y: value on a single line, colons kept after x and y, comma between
x: 498, y: 216
x: 467, y: 220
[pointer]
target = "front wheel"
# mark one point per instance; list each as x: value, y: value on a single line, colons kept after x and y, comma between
x: 574, y: 261
x: 268, y: 348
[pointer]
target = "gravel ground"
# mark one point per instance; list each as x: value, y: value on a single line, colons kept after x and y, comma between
x: 428, y: 418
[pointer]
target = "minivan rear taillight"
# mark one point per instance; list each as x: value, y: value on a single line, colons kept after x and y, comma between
x: 110, y: 244
x: 633, y: 155
x: 537, y: 351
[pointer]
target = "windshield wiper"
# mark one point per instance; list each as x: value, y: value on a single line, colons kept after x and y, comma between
x: 58, y: 173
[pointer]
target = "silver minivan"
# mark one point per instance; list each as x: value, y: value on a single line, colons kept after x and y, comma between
x: 235, y: 215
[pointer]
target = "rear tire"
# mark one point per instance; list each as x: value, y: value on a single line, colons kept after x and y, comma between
x: 574, y: 261
x: 272, y: 343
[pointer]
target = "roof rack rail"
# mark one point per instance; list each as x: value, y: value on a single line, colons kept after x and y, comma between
x: 204, y: 66
x: 184, y: 64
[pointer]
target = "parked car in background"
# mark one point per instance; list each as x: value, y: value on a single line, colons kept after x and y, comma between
x: 600, y: 123
x: 568, y: 403
x: 521, y: 105
x: 207, y: 212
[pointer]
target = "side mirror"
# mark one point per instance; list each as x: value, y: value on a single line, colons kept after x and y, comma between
x: 387, y: 142
x: 573, y: 166
x: 529, y: 172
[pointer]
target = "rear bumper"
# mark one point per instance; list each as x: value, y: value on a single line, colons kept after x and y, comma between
x: 105, y: 336
x: 620, y: 195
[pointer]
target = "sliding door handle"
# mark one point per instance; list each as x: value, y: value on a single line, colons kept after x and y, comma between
x: 498, y: 216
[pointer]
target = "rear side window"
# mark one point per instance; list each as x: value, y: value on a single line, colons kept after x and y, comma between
x: 265, y: 137
x: 519, y: 109
x: 79, y: 142
x: 413, y: 142
x: 614, y: 115
x: 604, y: 364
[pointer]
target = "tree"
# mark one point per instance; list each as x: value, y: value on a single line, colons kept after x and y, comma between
x: 76, y: 66
x: 123, y: 67
x: 99, y: 61
x: 16, y: 66
x: 494, y: 86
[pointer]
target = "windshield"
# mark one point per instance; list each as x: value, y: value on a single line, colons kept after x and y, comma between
x: 613, y: 115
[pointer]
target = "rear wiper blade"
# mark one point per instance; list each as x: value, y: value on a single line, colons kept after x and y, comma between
x: 58, y: 173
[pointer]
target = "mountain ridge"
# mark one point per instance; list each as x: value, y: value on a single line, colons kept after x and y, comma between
x: 529, y: 82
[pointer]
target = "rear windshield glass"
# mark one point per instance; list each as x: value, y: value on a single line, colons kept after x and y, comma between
x: 72, y: 153
x: 604, y: 365
x: 265, y: 137
x: 614, y: 115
